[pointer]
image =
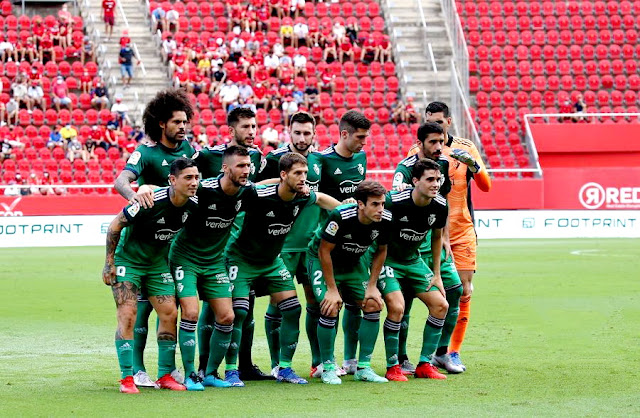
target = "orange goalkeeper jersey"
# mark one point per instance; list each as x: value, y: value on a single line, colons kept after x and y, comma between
x: 459, y: 198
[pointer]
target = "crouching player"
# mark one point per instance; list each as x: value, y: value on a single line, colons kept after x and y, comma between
x: 337, y: 270
x: 416, y: 211
x: 138, y: 260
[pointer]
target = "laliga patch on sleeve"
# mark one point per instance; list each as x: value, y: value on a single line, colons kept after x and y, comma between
x: 331, y: 228
x: 397, y: 179
x: 134, y: 158
x: 134, y: 209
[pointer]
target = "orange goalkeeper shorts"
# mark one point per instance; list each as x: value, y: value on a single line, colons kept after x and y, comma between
x: 464, y: 252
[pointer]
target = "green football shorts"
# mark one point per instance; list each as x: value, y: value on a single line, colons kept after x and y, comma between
x: 448, y: 272
x: 156, y: 281
x: 297, y: 265
x: 246, y: 276
x: 210, y: 282
x: 351, y: 281
x: 414, y: 276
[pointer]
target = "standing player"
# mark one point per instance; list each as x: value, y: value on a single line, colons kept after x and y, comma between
x: 253, y: 259
x: 337, y: 269
x: 197, y: 263
x: 302, y: 132
x: 138, y: 261
x: 415, y: 211
x: 466, y: 164
x: 243, y: 130
x: 337, y: 171
x: 165, y: 123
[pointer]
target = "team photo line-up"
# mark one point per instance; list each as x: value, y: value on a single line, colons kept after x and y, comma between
x: 233, y: 225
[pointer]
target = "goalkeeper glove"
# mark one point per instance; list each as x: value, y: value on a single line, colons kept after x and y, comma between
x: 465, y: 158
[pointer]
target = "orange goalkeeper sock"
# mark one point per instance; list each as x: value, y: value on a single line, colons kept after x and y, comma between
x: 461, y: 326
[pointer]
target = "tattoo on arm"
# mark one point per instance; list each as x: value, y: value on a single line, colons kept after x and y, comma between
x: 166, y: 336
x: 113, y: 235
x: 123, y: 184
x: 125, y: 293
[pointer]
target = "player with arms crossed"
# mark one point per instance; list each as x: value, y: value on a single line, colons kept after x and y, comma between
x: 466, y: 164
x: 165, y: 122
x: 243, y: 129
x: 197, y: 263
x: 138, y: 261
x: 337, y: 171
x: 415, y: 211
x: 253, y: 259
x: 337, y: 270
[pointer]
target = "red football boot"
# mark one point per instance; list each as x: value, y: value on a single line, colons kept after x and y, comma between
x: 395, y: 374
x: 168, y: 382
x: 428, y: 371
x: 127, y: 385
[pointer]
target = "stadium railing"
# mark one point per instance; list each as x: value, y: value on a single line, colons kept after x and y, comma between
x: 458, y: 43
x: 401, y: 71
x: 428, y: 53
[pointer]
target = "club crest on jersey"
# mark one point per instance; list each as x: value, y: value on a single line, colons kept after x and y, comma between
x: 164, y: 162
x: 295, y: 211
x: 432, y: 219
x: 135, y: 157
x: 238, y: 204
x: 184, y: 217
x: 213, y: 207
x: 332, y: 228
x: 253, y: 168
x: 316, y: 169
x: 374, y: 234
x: 360, y: 169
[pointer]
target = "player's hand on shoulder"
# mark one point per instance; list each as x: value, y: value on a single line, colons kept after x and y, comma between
x: 109, y: 274
x: 400, y: 187
x: 144, y: 196
x: 348, y: 201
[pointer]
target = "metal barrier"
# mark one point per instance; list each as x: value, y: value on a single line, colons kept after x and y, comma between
x: 400, y: 65
x: 464, y: 125
x: 458, y: 43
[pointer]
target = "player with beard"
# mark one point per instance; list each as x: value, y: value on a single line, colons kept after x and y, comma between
x: 243, y: 130
x: 165, y: 122
x: 197, y: 264
x: 253, y: 259
x: 137, y: 260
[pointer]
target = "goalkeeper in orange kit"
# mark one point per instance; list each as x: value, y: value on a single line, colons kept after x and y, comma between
x: 465, y: 163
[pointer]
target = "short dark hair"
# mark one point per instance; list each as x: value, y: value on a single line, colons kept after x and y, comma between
x: 234, y: 150
x: 437, y: 107
x: 353, y: 120
x: 180, y: 164
x: 368, y: 188
x: 238, y: 113
x: 288, y: 160
x: 161, y: 108
x: 302, y: 117
x: 428, y: 128
x: 422, y: 165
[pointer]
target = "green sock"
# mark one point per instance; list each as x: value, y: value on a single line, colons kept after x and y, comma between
x: 351, y: 319
x: 453, y: 297
x: 187, y: 341
x: 404, y: 330
x: 290, y: 329
x: 430, y: 337
x: 326, y: 340
x: 140, y: 332
x: 311, y: 325
x: 367, y: 336
x: 244, y: 354
x: 166, y: 357
x: 124, y: 349
x: 220, y: 341
x: 241, y: 310
x: 272, y: 322
x: 205, y: 329
x: 391, y: 330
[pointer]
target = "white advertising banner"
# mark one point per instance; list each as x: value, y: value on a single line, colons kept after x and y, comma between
x: 67, y: 231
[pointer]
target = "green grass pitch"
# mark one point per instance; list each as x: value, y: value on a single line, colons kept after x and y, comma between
x: 553, y: 331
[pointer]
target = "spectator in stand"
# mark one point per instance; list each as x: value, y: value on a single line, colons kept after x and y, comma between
x: 196, y: 83
x: 236, y: 46
x: 273, y: 92
x: 270, y: 136
x: 124, y: 38
x: 7, y: 147
x: 218, y: 79
x: 86, y: 82
x: 398, y: 112
x: 310, y: 96
x: 578, y: 107
x: 326, y: 81
x: 68, y: 133
x: 76, y: 150
x: 109, y: 16
x: 169, y: 48
x: 566, y: 107
x: 27, y: 51
x: 11, y: 111
x: 121, y: 111
x: 286, y: 33
x: 271, y: 63
x: 296, y: 7
x: 25, y: 190
x: 370, y: 50
x: 111, y: 135
x: 99, y: 98
x: 229, y: 94
x: 126, y: 64
x: 410, y: 111
x: 204, y: 65
x: 278, y: 49
x: 96, y: 139
x: 88, y: 51
x: 7, y: 50
x: 245, y: 92
x: 46, y: 185
x: 55, y: 139
x: 160, y: 17
x: 339, y: 31
x: 21, y: 91
x: 301, y: 35
x: 173, y: 20
x: 60, y: 94
x: 36, y: 94
x: 346, y: 49
x: 289, y: 107
x: 136, y: 134
x: 128, y: 146
x: 45, y: 49
x: 352, y: 32
x: 64, y: 36
x: 180, y: 78
x: 276, y: 8
x: 384, y: 49
x: 260, y: 98
x: 300, y: 65
x: 330, y: 48
x: 37, y: 29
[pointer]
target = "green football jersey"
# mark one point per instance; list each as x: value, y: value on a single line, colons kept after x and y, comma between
x: 403, y: 175
x: 335, y: 175
x: 150, y: 163
x: 304, y: 226
x: 145, y: 241
x: 351, y: 237
x: 411, y: 223
x: 267, y: 221
x: 205, y: 234
x: 209, y: 161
